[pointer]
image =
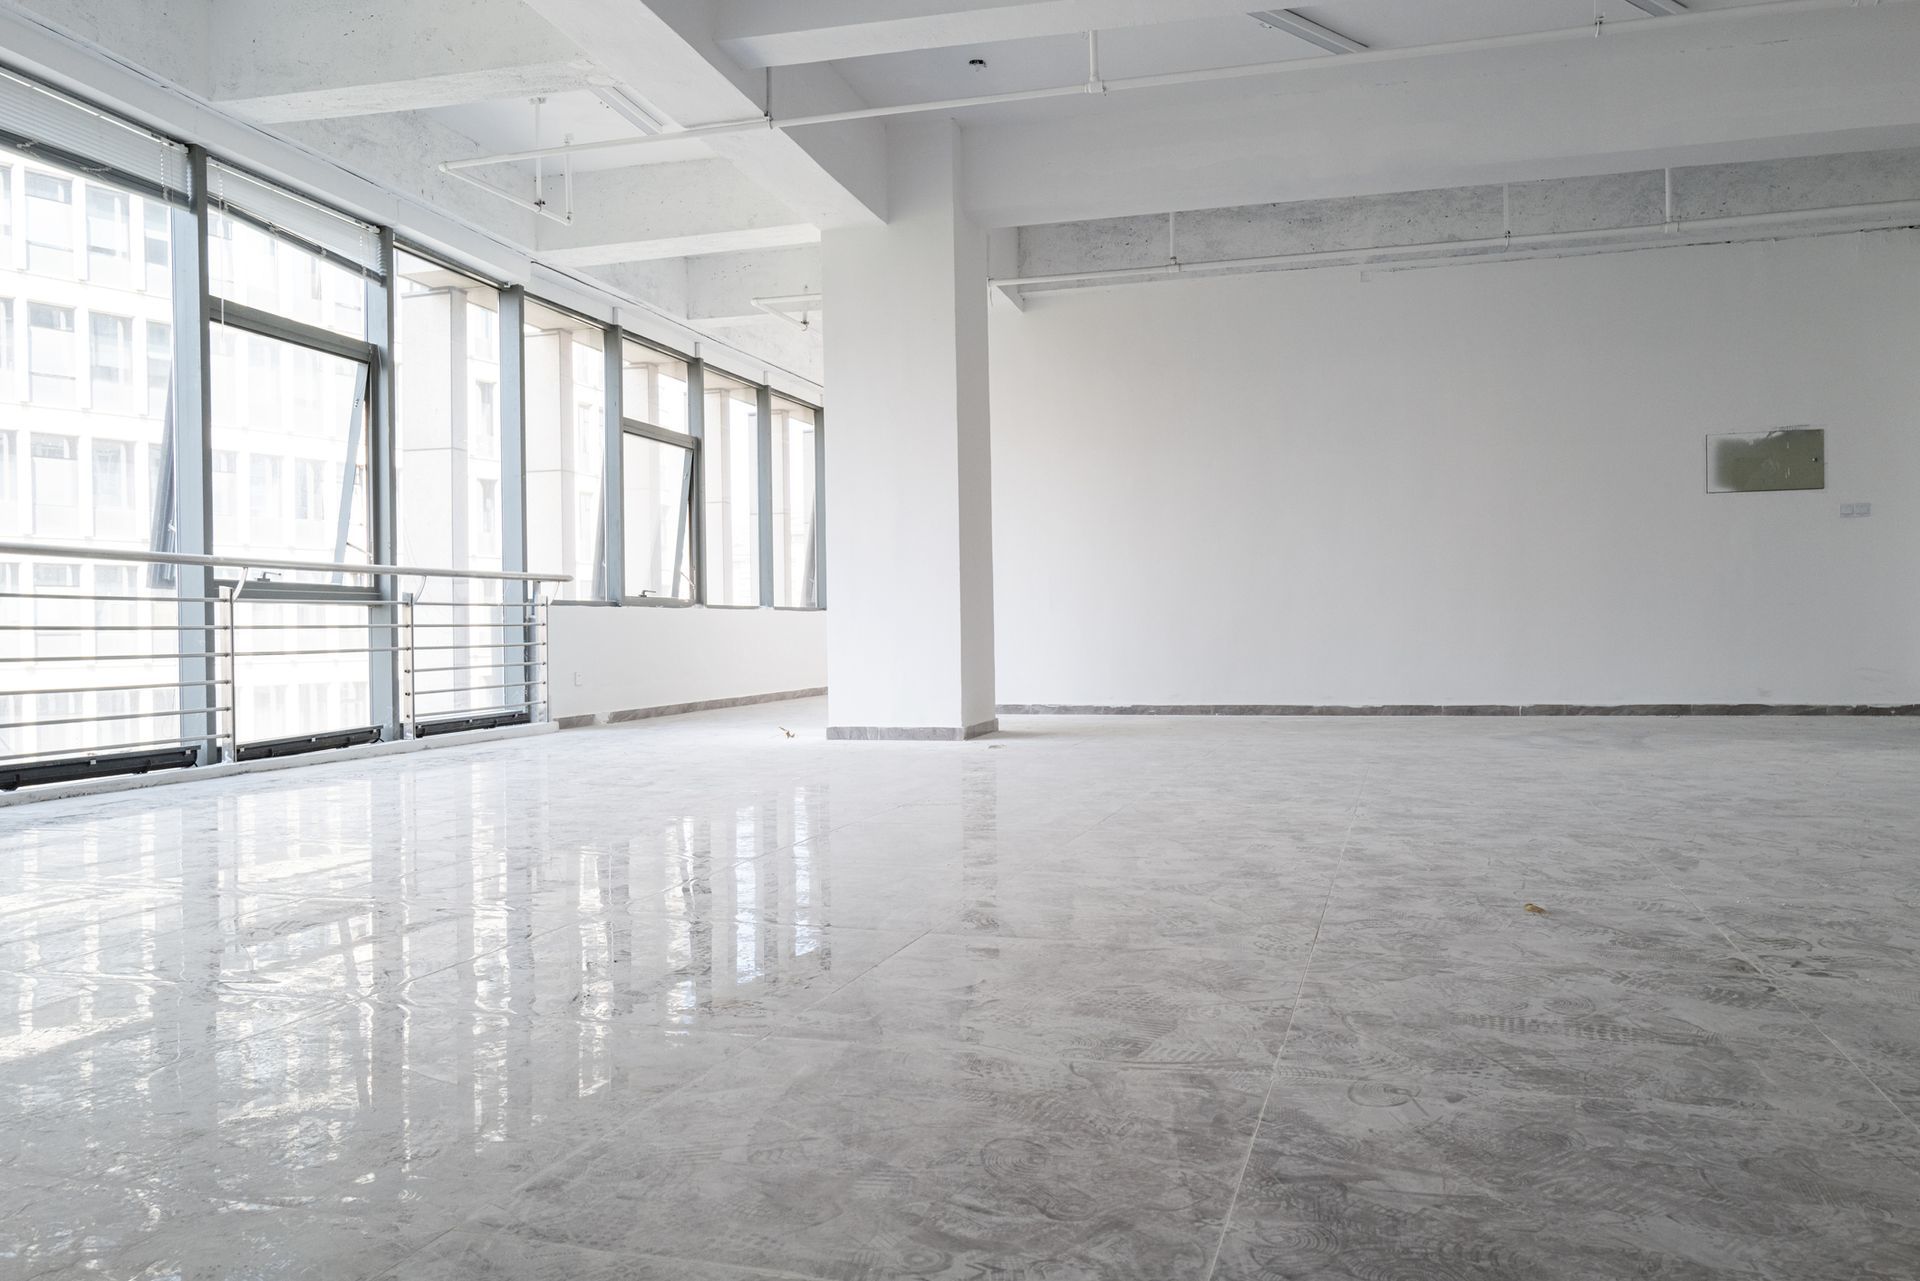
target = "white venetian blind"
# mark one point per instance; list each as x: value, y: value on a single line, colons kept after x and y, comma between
x: 32, y: 115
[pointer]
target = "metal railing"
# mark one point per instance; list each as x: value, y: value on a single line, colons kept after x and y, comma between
x: 233, y: 658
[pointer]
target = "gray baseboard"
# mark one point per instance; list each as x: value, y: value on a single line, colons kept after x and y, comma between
x: 679, y: 709
x: 1463, y: 709
x: 911, y: 733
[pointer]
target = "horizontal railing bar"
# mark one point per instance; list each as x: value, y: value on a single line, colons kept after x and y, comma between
x: 487, y: 669
x: 64, y: 753
x: 310, y: 653
x: 469, y: 689
x: 102, y: 689
x: 451, y: 712
x: 91, y: 658
x: 526, y: 622
x: 477, y: 645
x: 124, y: 716
x: 253, y: 562
x: 157, y: 599
x: 107, y: 627
x: 245, y: 626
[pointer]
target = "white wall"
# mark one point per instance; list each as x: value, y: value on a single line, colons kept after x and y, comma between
x: 617, y: 659
x: 1474, y: 484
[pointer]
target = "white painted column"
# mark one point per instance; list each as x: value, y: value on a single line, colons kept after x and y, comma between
x: 910, y: 627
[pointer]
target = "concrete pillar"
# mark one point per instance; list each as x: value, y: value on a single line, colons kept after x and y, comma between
x: 910, y: 630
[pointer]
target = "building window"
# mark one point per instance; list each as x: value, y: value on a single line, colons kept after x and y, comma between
x: 302, y: 405
x: 656, y: 479
x: 109, y: 233
x: 56, y: 485
x: 730, y: 456
x: 112, y: 367
x: 488, y: 511
x: 226, y: 476
x: 6, y: 346
x: 486, y: 419
x: 159, y: 367
x: 796, y: 549
x: 566, y: 437
x: 159, y: 247
x: 50, y: 361
x: 9, y: 469
x: 309, y: 489
x: 6, y: 216
x: 49, y: 224
x: 112, y: 485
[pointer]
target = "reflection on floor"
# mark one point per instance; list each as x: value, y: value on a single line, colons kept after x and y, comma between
x: 1098, y: 998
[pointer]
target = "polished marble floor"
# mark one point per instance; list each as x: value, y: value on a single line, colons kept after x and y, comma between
x: 1129, y: 998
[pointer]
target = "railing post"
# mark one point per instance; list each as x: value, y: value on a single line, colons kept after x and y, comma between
x: 229, y: 639
x: 409, y: 700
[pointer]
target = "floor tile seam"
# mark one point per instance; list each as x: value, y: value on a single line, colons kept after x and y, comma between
x: 1273, y: 1074
x: 747, y: 1044
x: 1747, y: 955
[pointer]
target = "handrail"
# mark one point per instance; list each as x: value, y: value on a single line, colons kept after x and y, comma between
x: 250, y: 562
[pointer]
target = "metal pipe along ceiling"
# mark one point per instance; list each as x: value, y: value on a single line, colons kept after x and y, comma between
x: 1685, y: 20
x: 1869, y: 217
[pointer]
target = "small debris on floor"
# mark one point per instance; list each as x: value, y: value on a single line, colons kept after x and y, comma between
x: 1537, y: 910
x: 786, y: 731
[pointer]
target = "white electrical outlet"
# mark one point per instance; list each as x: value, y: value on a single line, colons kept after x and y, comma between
x: 1856, y: 509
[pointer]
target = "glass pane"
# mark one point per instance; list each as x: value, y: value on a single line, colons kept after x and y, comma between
x: 730, y: 453
x: 447, y: 433
x: 566, y: 437
x: 246, y: 264
x: 281, y: 693
x: 80, y: 436
x: 293, y: 422
x: 653, y: 387
x: 657, y: 479
x: 795, y: 548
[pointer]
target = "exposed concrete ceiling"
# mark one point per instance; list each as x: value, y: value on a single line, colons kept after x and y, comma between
x: 1360, y: 102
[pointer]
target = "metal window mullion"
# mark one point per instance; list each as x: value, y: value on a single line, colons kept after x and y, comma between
x: 697, y: 428
x: 513, y: 476
x: 384, y: 666
x: 612, y: 468
x: 763, y: 449
x: 193, y: 464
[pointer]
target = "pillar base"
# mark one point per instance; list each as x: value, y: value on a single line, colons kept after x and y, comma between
x: 912, y: 733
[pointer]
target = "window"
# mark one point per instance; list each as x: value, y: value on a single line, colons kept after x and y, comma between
x: 56, y: 485
x: 653, y: 387
x: 226, y: 476
x: 488, y: 509
x: 50, y: 360
x: 49, y: 224
x: 109, y: 236
x: 566, y: 434
x: 112, y: 367
x: 9, y: 469
x: 263, y: 487
x: 447, y: 437
x: 6, y: 216
x: 280, y: 402
x: 159, y: 247
x: 159, y: 367
x: 113, y: 505
x: 657, y: 504
x: 248, y: 264
x: 796, y: 548
x: 309, y: 490
x: 730, y: 461
x: 6, y: 344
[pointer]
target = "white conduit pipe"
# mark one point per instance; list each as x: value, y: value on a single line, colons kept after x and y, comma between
x: 1880, y: 216
x: 1298, y: 66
